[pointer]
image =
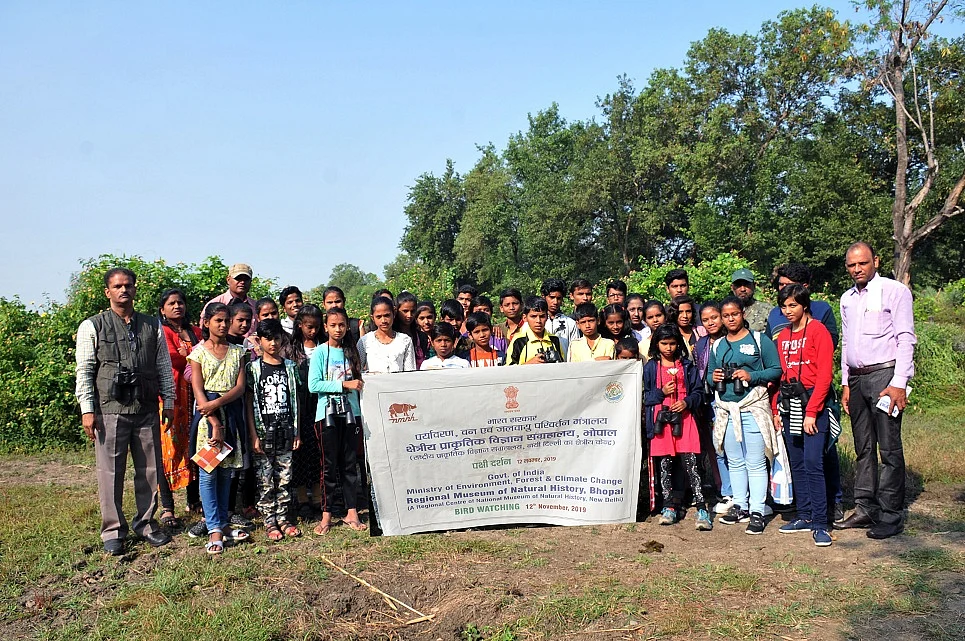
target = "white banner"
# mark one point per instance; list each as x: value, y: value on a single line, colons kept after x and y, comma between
x: 553, y: 443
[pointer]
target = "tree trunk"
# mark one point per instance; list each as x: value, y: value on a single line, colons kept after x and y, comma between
x: 902, y: 221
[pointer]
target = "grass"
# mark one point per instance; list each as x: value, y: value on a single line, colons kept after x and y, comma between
x: 500, y: 585
x: 933, y: 441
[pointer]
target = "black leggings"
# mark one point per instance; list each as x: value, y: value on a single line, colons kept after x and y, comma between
x: 338, y: 443
x: 689, y: 463
x: 246, y: 479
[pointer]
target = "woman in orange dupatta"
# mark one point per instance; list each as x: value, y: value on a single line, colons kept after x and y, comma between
x: 179, y: 472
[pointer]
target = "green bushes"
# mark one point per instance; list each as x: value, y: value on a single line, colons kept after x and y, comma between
x: 37, y: 404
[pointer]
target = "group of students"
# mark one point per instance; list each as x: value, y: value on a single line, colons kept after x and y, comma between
x: 283, y: 393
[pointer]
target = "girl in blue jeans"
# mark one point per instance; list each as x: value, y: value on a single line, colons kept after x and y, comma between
x: 807, y: 357
x: 218, y: 381
x: 743, y: 364
x: 712, y: 323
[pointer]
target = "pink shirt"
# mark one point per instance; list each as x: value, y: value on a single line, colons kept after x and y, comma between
x: 877, y: 326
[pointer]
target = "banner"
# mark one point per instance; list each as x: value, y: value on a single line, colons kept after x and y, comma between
x: 552, y: 443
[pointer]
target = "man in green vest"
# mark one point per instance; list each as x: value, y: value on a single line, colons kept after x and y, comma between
x: 123, y: 367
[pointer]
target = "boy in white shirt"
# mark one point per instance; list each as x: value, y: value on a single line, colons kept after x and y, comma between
x: 443, y: 337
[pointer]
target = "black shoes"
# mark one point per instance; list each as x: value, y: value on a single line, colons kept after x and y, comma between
x: 856, y: 520
x: 883, y: 531
x: 114, y: 547
x: 157, y: 538
x: 838, y: 514
x: 755, y: 524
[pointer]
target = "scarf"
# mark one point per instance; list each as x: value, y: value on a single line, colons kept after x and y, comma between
x: 757, y: 403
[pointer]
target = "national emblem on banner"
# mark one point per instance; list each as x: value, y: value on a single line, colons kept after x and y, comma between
x: 511, y: 392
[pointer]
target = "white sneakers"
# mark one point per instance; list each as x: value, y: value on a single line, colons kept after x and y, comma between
x: 724, y: 505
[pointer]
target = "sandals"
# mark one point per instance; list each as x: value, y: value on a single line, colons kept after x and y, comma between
x: 289, y: 529
x: 170, y: 521
x: 214, y: 547
x: 235, y: 535
x: 321, y: 529
x: 273, y: 532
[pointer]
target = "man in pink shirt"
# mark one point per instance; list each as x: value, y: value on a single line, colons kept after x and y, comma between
x: 239, y: 282
x: 877, y: 360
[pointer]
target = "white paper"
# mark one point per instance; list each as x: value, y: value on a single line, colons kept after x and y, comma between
x: 885, y: 402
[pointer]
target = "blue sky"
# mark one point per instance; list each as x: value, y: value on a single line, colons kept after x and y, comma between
x: 285, y: 135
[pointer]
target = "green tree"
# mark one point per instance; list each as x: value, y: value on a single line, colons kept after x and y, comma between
x: 351, y: 278
x: 434, y: 211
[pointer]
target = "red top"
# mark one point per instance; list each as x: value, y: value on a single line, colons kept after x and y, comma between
x: 665, y: 444
x: 179, y: 349
x: 811, y: 352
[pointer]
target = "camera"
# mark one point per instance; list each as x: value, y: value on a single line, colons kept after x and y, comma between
x: 792, y: 389
x: 740, y: 386
x: 277, y: 439
x: 549, y: 355
x: 667, y: 417
x: 126, y: 386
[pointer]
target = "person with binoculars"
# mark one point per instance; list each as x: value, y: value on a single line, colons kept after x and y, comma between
x: 671, y: 392
x: 800, y: 410
x: 743, y: 364
x: 123, y: 367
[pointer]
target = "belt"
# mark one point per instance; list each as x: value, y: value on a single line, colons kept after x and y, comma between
x: 858, y: 371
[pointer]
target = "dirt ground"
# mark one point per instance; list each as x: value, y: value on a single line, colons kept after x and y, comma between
x: 576, y: 581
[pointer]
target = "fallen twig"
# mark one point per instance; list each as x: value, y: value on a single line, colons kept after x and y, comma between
x: 388, y: 597
x: 633, y: 629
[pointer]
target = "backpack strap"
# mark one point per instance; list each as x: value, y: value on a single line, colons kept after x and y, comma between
x: 557, y: 344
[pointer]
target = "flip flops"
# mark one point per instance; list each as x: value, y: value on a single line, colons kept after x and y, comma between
x: 321, y: 530
x: 358, y: 526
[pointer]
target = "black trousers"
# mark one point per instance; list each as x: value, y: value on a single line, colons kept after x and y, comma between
x: 879, y: 495
x: 338, y: 440
x: 167, y: 497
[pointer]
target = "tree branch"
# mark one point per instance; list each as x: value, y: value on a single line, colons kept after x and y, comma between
x: 924, y: 28
x: 949, y: 209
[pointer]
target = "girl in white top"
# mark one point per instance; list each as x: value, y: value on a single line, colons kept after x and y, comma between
x: 385, y: 350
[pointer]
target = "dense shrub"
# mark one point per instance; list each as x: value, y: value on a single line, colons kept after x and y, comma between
x: 37, y: 404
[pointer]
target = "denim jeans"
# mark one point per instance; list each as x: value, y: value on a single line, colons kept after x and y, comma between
x: 214, y: 489
x: 805, y: 452
x: 725, y: 488
x: 747, y: 464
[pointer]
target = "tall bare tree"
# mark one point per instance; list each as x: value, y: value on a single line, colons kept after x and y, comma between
x: 905, y: 24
